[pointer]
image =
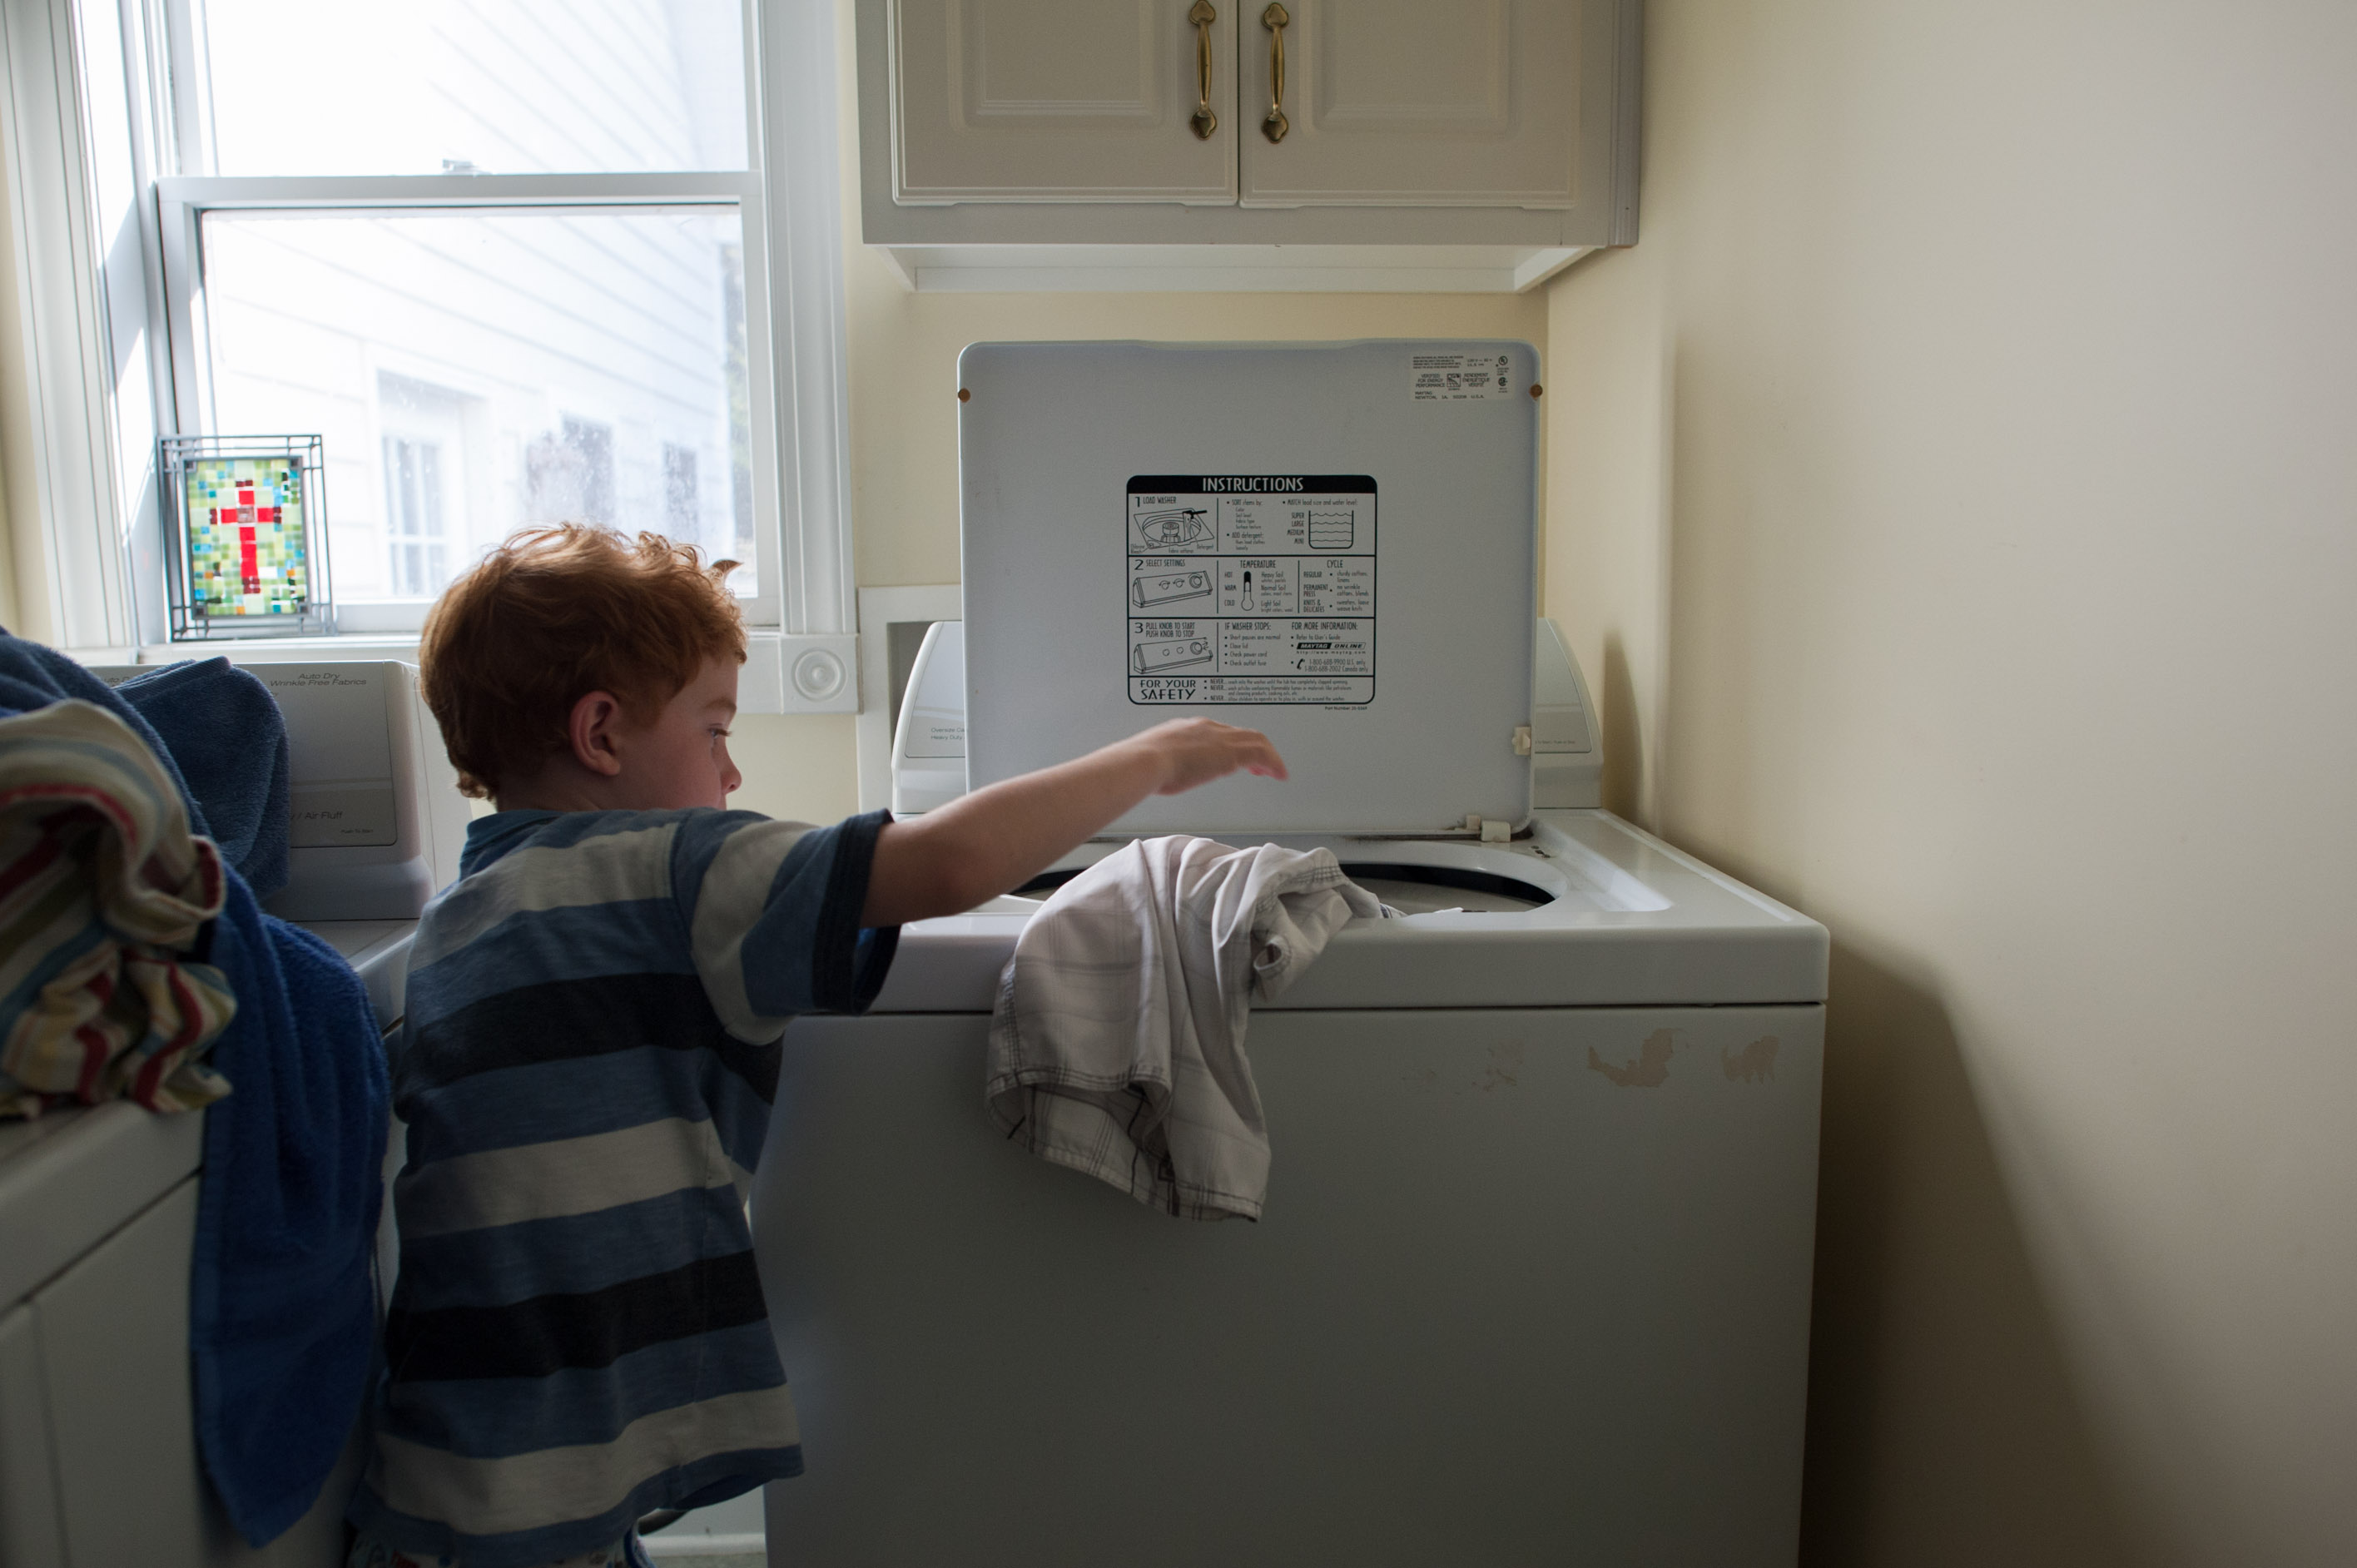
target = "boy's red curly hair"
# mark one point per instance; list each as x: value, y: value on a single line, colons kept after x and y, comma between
x: 552, y: 615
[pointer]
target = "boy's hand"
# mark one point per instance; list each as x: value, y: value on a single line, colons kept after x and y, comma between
x: 1190, y: 752
x: 985, y: 843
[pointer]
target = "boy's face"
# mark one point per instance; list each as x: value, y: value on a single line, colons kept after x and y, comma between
x: 682, y: 759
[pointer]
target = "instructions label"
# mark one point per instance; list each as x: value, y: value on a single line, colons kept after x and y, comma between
x: 1473, y: 376
x: 1250, y: 588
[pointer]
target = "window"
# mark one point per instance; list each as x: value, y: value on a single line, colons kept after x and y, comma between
x: 570, y: 474
x: 411, y: 549
x: 627, y: 301
x: 515, y: 261
x: 413, y: 510
x: 679, y: 489
x: 531, y: 313
x: 473, y: 86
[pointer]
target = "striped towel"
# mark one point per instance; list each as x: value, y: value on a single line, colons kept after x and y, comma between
x: 103, y: 891
x: 1117, y: 1044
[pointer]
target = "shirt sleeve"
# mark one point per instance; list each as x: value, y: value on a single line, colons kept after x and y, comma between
x: 772, y: 911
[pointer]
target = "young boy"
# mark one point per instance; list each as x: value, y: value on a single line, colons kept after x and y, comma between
x: 578, y: 1335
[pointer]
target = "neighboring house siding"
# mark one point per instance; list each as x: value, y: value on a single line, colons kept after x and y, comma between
x: 548, y: 367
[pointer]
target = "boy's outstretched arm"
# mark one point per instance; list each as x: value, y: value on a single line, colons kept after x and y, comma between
x: 994, y: 840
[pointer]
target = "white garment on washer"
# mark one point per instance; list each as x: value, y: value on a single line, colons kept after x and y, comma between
x: 1116, y: 1047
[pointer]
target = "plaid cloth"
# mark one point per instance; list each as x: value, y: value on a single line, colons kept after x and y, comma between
x: 1117, y: 1043
x: 102, y: 892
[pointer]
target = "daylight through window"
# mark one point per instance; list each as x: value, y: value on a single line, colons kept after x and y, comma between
x: 476, y: 366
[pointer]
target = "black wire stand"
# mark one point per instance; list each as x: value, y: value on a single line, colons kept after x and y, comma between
x: 230, y: 570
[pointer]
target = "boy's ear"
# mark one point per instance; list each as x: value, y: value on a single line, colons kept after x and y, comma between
x: 591, y: 729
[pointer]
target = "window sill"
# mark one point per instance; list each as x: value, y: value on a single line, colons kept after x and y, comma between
x: 400, y: 645
x: 784, y: 672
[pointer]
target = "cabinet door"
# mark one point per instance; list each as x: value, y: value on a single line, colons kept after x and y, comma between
x: 30, y: 1535
x: 114, y: 1347
x: 1426, y: 102
x: 1041, y: 101
x: 113, y: 1336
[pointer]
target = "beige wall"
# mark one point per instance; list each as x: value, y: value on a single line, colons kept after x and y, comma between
x: 16, y: 437
x: 801, y: 767
x: 10, y: 616
x: 1956, y: 492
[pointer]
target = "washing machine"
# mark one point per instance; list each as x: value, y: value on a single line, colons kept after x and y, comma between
x: 1532, y: 1286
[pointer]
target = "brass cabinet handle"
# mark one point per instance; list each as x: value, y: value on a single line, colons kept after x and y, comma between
x: 1205, y: 122
x: 1275, y: 19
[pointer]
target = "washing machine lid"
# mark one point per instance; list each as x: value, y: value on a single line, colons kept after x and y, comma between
x: 1332, y: 543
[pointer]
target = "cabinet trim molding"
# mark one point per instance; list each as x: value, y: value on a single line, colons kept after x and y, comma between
x: 1227, y: 269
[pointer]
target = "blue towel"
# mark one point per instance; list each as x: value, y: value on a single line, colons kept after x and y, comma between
x: 282, y: 1312
x: 33, y: 676
x: 230, y: 741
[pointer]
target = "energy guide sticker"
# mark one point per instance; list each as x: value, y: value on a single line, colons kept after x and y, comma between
x: 1250, y: 588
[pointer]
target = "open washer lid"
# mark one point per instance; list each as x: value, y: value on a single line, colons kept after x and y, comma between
x: 1332, y: 543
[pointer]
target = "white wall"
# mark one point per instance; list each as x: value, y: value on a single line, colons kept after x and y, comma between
x: 1956, y: 491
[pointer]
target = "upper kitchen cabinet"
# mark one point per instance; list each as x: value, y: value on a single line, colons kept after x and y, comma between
x: 1412, y: 103
x: 1447, y: 145
x: 1048, y: 101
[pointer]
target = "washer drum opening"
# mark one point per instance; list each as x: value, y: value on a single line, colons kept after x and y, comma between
x: 1411, y: 889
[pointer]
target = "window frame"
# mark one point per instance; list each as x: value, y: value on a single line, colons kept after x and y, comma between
x: 100, y: 522
x: 184, y: 201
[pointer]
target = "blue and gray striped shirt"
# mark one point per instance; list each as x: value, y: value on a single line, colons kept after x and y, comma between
x: 577, y: 1335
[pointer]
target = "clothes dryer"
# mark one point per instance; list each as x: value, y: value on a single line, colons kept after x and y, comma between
x: 1532, y: 1281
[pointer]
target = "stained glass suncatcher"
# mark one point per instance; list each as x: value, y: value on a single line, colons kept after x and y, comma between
x: 246, y: 554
